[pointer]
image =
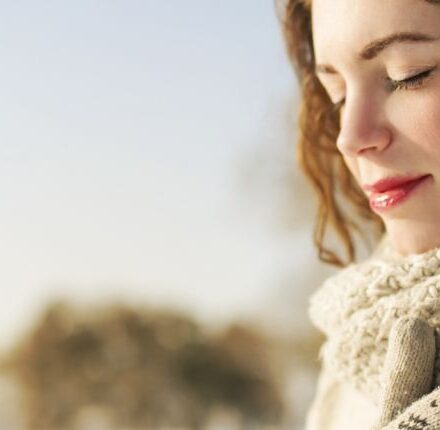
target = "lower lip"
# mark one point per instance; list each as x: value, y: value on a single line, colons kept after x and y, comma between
x: 391, y: 198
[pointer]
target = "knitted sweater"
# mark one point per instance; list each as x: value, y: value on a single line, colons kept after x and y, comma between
x: 356, y: 309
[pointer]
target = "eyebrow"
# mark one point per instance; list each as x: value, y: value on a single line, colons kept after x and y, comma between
x: 374, y: 48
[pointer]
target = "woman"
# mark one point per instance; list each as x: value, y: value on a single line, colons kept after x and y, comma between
x: 369, y: 141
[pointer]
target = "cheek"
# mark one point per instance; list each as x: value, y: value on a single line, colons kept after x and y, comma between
x: 352, y: 165
x: 420, y: 123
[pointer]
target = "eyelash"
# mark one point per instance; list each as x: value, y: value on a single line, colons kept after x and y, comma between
x: 411, y: 83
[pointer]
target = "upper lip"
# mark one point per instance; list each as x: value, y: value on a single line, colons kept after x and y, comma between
x: 391, y: 182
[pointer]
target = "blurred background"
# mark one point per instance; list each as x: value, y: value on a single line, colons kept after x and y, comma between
x: 156, y: 235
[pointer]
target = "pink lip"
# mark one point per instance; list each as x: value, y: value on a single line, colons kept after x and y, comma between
x: 389, y: 192
x: 390, y: 183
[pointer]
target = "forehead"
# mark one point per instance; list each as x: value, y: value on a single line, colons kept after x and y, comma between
x: 341, y: 28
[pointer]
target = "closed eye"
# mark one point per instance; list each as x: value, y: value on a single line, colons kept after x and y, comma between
x: 410, y: 83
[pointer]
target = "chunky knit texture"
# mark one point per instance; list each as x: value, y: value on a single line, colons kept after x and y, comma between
x: 357, y: 308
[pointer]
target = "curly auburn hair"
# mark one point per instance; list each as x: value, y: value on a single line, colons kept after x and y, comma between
x: 317, y: 154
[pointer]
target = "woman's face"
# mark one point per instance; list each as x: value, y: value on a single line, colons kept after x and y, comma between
x: 390, y: 118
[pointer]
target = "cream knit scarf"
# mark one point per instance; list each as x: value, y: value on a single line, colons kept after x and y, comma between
x: 357, y: 307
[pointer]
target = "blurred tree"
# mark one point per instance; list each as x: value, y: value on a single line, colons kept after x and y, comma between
x: 141, y: 369
x: 235, y: 371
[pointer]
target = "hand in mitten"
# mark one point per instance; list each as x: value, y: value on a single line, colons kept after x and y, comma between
x: 407, y: 400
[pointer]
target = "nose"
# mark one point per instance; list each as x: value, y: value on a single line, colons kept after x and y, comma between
x: 362, y: 127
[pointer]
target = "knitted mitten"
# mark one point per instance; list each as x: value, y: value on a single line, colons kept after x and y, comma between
x: 409, y: 372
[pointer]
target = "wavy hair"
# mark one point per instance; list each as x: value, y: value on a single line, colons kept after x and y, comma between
x: 317, y: 154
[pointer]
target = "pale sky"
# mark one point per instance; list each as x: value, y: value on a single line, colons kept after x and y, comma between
x: 125, y: 126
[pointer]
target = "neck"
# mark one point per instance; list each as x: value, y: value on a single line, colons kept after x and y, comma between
x: 413, y: 237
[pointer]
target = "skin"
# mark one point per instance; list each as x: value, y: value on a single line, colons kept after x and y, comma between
x: 386, y: 131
